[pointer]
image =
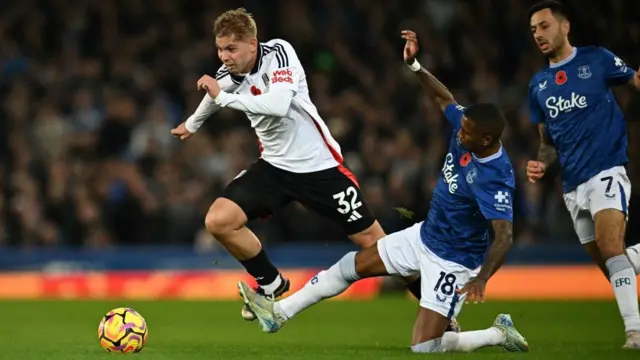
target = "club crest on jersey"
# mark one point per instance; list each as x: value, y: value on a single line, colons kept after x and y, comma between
x: 561, y: 77
x: 449, y: 177
x: 465, y: 159
x: 471, y: 176
x: 584, y: 72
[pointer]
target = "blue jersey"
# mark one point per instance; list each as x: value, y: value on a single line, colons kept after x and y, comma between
x: 574, y: 100
x: 470, y: 192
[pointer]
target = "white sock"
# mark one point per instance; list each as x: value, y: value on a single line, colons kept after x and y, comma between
x: 471, y: 340
x: 429, y: 346
x: 625, y: 287
x: 326, y: 284
x: 633, y: 252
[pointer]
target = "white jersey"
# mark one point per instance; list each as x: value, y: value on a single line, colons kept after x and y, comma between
x: 275, y: 98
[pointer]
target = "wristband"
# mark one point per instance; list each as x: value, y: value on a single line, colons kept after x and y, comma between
x: 415, y: 65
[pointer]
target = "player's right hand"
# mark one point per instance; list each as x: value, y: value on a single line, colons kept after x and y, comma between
x: 181, y: 132
x: 411, y: 46
x: 474, y: 289
x: 535, y: 170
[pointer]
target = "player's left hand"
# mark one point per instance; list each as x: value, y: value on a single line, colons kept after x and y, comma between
x: 411, y: 47
x: 474, y: 289
x: 210, y: 85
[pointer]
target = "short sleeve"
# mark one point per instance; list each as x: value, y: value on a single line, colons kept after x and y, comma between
x: 616, y: 72
x: 285, y: 69
x: 453, y: 113
x: 495, y: 200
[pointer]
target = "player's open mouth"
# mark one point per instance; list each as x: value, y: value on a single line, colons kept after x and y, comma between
x: 543, y: 45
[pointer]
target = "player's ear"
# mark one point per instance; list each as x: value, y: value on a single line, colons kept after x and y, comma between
x: 253, y: 44
x: 565, y: 26
x: 487, y: 140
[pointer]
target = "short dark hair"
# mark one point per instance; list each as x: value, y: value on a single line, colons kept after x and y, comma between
x: 488, y: 119
x: 557, y: 8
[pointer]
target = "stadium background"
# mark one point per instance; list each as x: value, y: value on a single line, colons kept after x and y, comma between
x: 99, y: 200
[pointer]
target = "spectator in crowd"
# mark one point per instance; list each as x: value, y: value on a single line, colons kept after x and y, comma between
x: 90, y: 90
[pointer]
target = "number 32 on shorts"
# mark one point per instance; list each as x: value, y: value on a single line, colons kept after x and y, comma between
x: 348, y: 203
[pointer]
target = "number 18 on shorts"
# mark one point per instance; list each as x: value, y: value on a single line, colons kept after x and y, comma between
x: 403, y: 253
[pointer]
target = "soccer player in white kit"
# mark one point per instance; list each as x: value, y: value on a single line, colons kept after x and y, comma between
x: 300, y: 160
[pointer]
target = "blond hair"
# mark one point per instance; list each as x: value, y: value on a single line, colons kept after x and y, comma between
x: 238, y: 23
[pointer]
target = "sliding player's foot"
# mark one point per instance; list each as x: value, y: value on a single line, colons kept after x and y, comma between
x: 633, y: 340
x: 514, y: 341
x: 503, y: 319
x: 262, y: 308
x: 248, y: 315
x: 454, y: 326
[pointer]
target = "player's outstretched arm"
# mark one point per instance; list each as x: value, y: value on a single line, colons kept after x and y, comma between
x: 274, y: 103
x: 503, y: 230
x: 192, y: 124
x: 206, y: 108
x: 474, y: 288
x: 436, y: 90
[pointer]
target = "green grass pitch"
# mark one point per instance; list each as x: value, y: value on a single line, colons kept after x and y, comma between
x: 378, y: 329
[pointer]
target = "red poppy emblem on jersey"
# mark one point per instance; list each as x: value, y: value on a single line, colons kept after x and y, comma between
x: 255, y: 91
x: 561, y: 77
x: 465, y: 159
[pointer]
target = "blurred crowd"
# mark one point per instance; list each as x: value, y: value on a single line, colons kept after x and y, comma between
x: 90, y: 90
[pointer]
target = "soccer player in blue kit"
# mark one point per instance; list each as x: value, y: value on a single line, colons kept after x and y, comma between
x: 582, y: 127
x: 449, y: 249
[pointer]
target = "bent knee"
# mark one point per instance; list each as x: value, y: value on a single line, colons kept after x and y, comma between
x: 223, y: 217
x: 368, y: 263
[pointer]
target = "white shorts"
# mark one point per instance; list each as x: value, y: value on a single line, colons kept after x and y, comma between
x: 403, y: 253
x: 610, y: 189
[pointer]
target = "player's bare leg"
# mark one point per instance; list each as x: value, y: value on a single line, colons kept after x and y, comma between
x: 609, y: 230
x: 226, y: 221
x: 429, y: 325
x: 369, y: 237
x: 594, y: 252
x: 326, y: 284
x: 429, y: 331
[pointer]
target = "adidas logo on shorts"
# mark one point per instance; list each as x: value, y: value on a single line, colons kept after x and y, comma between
x: 354, y: 216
